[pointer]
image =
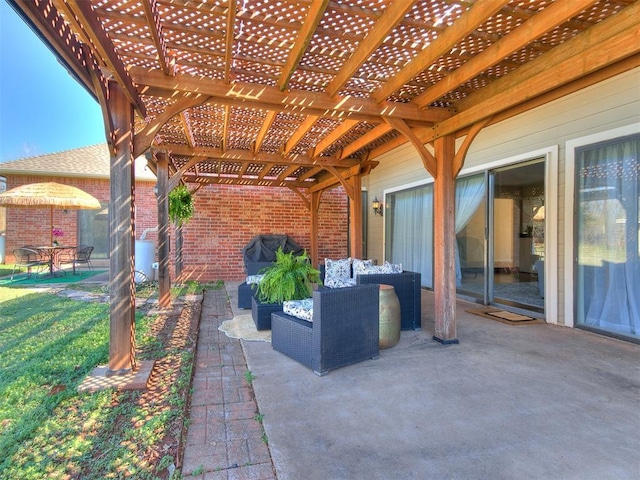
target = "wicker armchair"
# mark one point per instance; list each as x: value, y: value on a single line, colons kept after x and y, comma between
x: 345, y: 329
x: 408, y: 289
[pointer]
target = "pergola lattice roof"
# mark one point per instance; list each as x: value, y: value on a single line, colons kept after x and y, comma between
x: 265, y: 92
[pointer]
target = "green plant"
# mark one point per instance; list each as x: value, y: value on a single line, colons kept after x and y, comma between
x: 180, y: 205
x: 249, y: 377
x: 289, y: 278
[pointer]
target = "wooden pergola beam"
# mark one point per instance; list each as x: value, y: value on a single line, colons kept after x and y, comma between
x: 393, y: 15
x: 245, y: 156
x: 316, y: 11
x: 299, y: 134
x: 557, y: 13
x: 101, y: 42
x: 339, y: 132
x: 551, y: 70
x: 225, y: 127
x: 228, y: 43
x: 144, y: 137
x: 264, y: 129
x: 271, y: 98
x: 209, y: 179
x: 461, y: 28
x: 153, y: 19
x: 369, y: 137
x: 186, y: 126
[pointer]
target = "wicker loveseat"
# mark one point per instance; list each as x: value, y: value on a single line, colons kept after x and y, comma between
x: 260, y: 253
x: 344, y: 329
x: 407, y: 286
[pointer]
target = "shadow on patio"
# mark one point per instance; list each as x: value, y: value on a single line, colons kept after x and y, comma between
x: 509, y: 402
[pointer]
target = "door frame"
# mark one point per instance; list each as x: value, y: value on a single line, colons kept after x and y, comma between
x: 550, y: 155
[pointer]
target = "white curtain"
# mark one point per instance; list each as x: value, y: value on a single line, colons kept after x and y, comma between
x: 607, y: 230
x: 469, y: 196
x: 411, y: 231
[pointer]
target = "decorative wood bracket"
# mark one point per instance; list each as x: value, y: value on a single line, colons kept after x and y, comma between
x: 348, y: 188
x: 143, y: 140
x: 307, y: 202
x: 458, y: 159
x: 428, y: 159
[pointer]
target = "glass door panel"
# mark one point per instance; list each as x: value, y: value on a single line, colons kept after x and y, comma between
x: 517, y: 236
x: 471, y: 221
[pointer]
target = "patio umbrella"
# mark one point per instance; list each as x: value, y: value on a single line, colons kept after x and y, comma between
x: 48, y: 194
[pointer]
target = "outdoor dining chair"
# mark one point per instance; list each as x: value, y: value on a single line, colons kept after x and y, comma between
x: 28, y: 258
x: 82, y: 256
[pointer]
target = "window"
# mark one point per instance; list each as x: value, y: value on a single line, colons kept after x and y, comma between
x: 607, y: 179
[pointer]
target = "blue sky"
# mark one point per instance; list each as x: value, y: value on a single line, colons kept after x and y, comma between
x: 42, y: 108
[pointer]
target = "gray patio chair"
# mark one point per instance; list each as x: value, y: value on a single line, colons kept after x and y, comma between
x: 29, y: 259
x: 82, y: 256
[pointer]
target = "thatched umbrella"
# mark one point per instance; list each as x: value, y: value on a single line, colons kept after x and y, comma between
x: 48, y: 194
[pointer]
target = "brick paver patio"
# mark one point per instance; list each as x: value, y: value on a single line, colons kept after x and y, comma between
x: 225, y: 439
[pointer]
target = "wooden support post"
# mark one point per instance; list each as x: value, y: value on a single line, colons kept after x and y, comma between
x: 355, y: 220
x: 164, y: 278
x: 121, y: 235
x: 444, y: 241
x: 314, y: 207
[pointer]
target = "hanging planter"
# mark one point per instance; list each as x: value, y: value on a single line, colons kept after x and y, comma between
x: 180, y: 205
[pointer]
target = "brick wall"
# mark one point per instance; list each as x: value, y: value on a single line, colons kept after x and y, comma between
x: 226, y: 219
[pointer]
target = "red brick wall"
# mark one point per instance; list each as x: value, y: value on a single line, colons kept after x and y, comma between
x: 226, y: 219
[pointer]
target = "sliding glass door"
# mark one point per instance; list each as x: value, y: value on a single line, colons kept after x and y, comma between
x: 607, y: 277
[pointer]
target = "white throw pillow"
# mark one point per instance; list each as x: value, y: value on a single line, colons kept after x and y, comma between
x: 337, y: 269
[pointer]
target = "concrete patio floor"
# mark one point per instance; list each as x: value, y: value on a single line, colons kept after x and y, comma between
x: 508, y: 402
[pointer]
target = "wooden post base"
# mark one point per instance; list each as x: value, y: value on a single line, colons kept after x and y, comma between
x: 102, y: 378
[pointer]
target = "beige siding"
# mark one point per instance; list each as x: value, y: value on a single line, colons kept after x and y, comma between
x: 608, y: 105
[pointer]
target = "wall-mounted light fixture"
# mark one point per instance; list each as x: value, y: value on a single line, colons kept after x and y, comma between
x: 378, y: 207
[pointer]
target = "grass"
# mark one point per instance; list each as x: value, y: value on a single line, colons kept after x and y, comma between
x: 48, y: 345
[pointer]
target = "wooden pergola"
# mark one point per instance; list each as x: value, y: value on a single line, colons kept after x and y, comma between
x: 308, y: 94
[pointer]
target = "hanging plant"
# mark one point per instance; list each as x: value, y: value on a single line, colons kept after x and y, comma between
x: 180, y: 205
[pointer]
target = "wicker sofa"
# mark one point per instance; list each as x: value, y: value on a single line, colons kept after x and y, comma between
x: 337, y: 336
x: 407, y: 286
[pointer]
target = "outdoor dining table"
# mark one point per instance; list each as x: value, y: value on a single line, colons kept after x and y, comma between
x: 52, y: 253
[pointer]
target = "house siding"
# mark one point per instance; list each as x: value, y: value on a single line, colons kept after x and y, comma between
x: 605, y: 106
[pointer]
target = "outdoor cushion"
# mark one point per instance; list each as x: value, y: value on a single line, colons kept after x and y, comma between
x: 360, y: 266
x: 393, y: 267
x: 302, y: 309
x: 386, y: 268
x: 337, y: 269
x: 338, y: 283
x: 254, y: 279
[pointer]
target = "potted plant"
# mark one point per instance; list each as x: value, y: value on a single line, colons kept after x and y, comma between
x: 291, y: 277
x: 180, y: 205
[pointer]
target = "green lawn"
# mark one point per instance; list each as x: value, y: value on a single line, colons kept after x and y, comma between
x: 48, y: 345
